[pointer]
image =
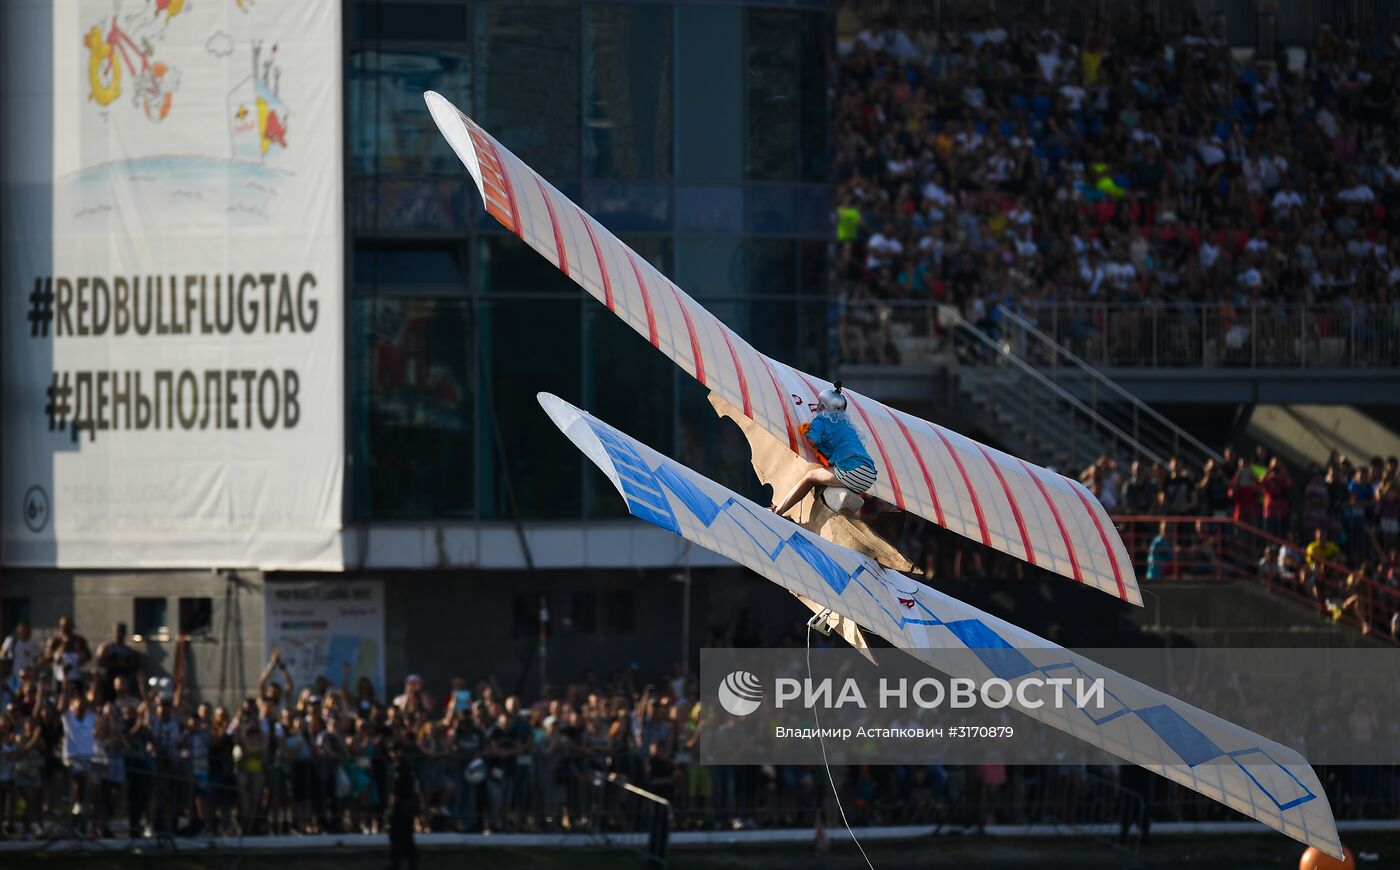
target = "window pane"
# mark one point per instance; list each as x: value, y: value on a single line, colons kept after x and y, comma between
x: 531, y: 345
x: 627, y: 91
x: 13, y: 611
x: 149, y: 618
x: 390, y: 129
x: 709, y: 93
x: 507, y: 265
x: 774, y: 329
x: 411, y: 204
x: 572, y: 613
x: 812, y: 339
x: 773, y: 93
x: 618, y: 610
x: 714, y: 447
x: 770, y: 266
x: 710, y: 209
x: 630, y: 207
x: 658, y: 252
x: 428, y: 22
x: 811, y: 352
x: 437, y: 266
x: 413, y: 407
x: 632, y: 387
x: 196, y: 615
x: 527, y: 81
x: 789, y: 210
x: 815, y: 34
x: 710, y: 267
x: 525, y: 615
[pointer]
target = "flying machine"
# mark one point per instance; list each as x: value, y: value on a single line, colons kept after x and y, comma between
x: 839, y: 567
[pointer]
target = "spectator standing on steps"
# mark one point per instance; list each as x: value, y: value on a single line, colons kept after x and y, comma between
x: 1177, y: 494
x: 1139, y: 491
x: 19, y: 651
x: 115, y: 659
x: 1277, y: 485
x: 68, y: 652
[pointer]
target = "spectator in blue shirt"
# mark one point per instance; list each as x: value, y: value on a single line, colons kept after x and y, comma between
x: 1161, y: 555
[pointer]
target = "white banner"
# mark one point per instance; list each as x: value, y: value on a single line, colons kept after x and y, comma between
x: 173, y: 275
x: 327, y: 629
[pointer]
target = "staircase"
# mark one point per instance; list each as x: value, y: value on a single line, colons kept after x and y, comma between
x: 1026, y: 411
x: 1156, y: 437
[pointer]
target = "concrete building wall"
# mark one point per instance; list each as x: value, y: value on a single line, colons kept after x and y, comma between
x: 436, y: 623
x: 224, y: 660
x: 441, y: 623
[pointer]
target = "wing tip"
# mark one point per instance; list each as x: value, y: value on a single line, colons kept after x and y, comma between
x: 559, y: 411
x: 449, y: 122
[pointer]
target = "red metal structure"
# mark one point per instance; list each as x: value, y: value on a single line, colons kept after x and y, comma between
x: 1208, y: 548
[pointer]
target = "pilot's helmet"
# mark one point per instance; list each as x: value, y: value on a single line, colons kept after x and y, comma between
x: 832, y: 399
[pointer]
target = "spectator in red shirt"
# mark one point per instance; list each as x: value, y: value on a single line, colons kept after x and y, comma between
x: 1277, y: 485
x: 1244, y: 492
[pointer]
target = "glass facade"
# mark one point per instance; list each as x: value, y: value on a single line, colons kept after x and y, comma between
x: 696, y: 132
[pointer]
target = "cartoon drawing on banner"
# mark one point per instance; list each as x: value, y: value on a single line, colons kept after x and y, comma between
x: 258, y: 115
x: 130, y: 72
x: 154, y: 83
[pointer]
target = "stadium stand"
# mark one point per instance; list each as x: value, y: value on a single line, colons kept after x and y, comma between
x: 1121, y: 183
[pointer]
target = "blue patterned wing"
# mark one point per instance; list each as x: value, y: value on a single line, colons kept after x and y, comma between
x: 1230, y: 764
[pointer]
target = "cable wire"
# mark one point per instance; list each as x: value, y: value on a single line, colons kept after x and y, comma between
x: 826, y: 764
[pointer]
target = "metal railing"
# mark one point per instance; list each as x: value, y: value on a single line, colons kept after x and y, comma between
x: 1213, y: 548
x: 1073, y: 17
x: 1148, y: 335
x: 1258, y: 25
x: 1101, y: 393
x: 1220, y: 335
x: 1022, y: 403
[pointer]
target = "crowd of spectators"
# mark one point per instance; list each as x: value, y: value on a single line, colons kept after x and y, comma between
x: 1356, y: 505
x: 1330, y: 535
x: 979, y: 165
x: 89, y: 746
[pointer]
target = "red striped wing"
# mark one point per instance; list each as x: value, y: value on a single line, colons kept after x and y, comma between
x: 998, y: 500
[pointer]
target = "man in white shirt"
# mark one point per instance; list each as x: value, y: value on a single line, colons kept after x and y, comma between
x: 995, y: 34
x: 883, y: 248
x: 890, y: 39
x: 999, y: 165
x: 78, y: 723
x: 1327, y: 120
x: 1209, y: 253
x: 1118, y: 269
x: 1048, y: 58
x: 1210, y: 151
x: 973, y: 95
x: 1286, y: 200
x: 932, y: 191
x: 19, y: 651
x: 967, y: 139
x: 69, y: 653
x: 1359, y: 192
x: 1074, y: 95
x: 1271, y: 169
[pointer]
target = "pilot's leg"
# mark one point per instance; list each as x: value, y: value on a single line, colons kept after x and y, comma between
x: 816, y: 476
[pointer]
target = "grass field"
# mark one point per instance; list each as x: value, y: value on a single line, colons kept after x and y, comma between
x: 1235, y: 852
